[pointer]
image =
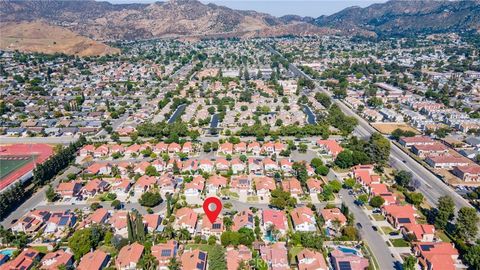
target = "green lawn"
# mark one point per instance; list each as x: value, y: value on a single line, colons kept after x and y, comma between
x: 440, y: 234
x: 387, y: 229
x: 293, y: 253
x: 399, y: 243
x: 41, y: 249
x: 378, y: 217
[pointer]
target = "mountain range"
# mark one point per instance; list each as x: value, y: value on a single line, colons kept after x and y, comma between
x: 103, y: 21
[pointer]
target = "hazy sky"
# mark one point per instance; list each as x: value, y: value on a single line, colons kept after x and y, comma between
x: 313, y: 8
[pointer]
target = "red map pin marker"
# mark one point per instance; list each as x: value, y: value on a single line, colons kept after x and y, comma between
x: 212, y: 207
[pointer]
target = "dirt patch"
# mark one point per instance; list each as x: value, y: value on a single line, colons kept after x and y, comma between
x: 42, y: 37
x: 388, y: 128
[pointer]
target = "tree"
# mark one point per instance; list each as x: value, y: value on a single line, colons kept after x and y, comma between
x: 174, y: 264
x: 212, y: 240
x: 466, y: 224
x: 472, y: 256
x: 363, y: 198
x: 94, y: 206
x: 349, y: 183
x: 336, y: 185
x: 375, y: 102
x: 216, y: 258
x: 445, y: 211
x: 50, y: 194
x: 409, y: 263
x: 82, y: 241
x: 344, y: 160
x: 415, y: 198
x: 379, y: 148
x: 281, y: 199
x: 151, y: 171
x: 150, y: 199
x: 376, y: 201
x: 403, y: 178
x: 300, y: 171
x: 148, y: 261
x: 116, y: 204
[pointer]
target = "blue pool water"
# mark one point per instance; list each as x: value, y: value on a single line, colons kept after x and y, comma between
x: 7, y: 252
x: 348, y: 250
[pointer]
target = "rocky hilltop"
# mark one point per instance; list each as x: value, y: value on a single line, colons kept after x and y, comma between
x: 106, y: 21
x: 400, y: 17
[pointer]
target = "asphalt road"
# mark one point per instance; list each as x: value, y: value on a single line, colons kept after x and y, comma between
x: 48, y: 140
x: 376, y: 243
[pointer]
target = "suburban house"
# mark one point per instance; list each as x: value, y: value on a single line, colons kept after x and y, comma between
x: 308, y: 259
x: 129, y: 256
x: 303, y: 219
x: 331, y: 147
x: 399, y: 215
x: 437, y: 255
x: 186, y: 218
x: 264, y: 185
x: 209, y: 228
x: 52, y: 260
x: 164, y: 253
x: 342, y: 261
x: 293, y: 186
x: 215, y: 183
x: 276, y: 256
x: 332, y: 217
x: 419, y: 232
x: 243, y: 219
x: 195, y: 187
x: 24, y: 260
x: 194, y: 259
x: 276, y: 219
x: 314, y: 186
x: 236, y: 256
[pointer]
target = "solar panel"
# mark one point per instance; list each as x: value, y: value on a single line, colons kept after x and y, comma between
x: 426, y: 247
x: 200, y: 265
x: 250, y: 218
x: 404, y: 220
x: 63, y: 221
x: 344, y: 265
x: 216, y: 226
x: 166, y: 253
x: 201, y: 256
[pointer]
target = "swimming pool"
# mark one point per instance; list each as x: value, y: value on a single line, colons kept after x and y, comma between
x: 8, y: 252
x: 348, y: 250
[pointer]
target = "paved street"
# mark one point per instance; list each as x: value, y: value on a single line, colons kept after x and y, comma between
x: 374, y: 239
x: 47, y: 140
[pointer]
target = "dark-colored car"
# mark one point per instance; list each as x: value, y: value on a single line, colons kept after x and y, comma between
x: 359, y: 225
x: 374, y: 228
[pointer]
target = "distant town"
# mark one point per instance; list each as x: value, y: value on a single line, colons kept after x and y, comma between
x: 327, y: 152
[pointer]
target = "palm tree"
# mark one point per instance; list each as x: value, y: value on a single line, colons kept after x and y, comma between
x: 174, y: 264
x: 183, y: 234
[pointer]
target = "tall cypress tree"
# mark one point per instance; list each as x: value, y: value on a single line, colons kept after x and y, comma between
x: 131, y: 232
x: 139, y: 228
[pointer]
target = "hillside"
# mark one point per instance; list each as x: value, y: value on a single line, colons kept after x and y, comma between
x: 398, y: 17
x: 41, y: 37
x: 105, y: 21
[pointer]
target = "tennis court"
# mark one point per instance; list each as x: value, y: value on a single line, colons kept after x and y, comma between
x: 9, y: 164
